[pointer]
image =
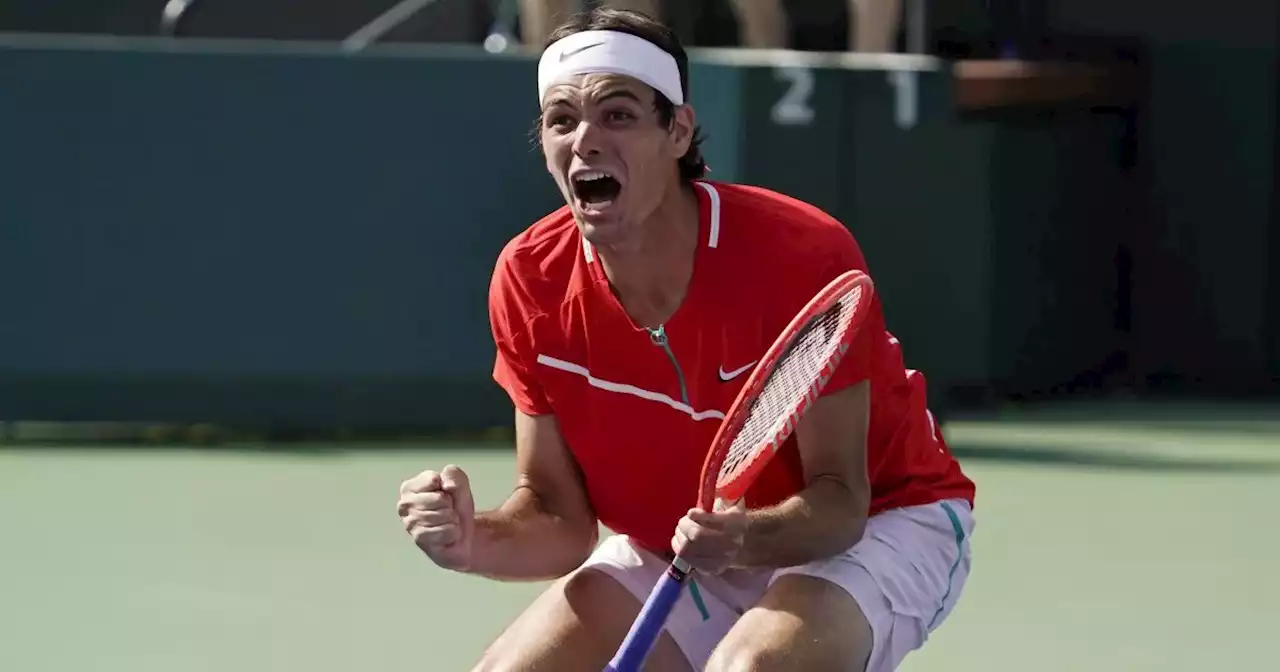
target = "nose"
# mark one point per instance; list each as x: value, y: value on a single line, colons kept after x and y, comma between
x: 587, y: 139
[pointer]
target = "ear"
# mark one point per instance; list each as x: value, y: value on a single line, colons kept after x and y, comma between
x: 683, y: 124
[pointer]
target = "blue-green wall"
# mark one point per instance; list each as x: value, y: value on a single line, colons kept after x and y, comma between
x: 286, y: 235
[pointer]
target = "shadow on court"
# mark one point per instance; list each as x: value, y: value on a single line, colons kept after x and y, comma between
x: 1257, y: 418
x: 1112, y: 460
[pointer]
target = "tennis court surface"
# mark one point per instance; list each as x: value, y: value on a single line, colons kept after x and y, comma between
x: 1128, y: 543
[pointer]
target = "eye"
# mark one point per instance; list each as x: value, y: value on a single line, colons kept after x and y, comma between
x: 558, y: 121
x: 619, y: 116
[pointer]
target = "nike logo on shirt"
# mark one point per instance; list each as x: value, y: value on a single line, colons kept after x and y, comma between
x: 726, y: 376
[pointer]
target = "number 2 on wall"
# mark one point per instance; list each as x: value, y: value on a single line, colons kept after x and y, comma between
x: 793, y: 108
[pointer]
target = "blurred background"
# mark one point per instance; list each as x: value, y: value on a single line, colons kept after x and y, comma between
x: 245, y: 248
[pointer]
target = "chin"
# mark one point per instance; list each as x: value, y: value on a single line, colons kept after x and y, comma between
x: 600, y: 232
x: 604, y: 232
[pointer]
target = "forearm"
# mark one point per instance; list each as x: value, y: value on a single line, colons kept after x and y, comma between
x: 522, y: 541
x: 820, y: 521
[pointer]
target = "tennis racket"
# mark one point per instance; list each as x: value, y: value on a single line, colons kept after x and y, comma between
x: 790, y: 376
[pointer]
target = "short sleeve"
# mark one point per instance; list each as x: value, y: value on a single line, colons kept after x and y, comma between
x: 510, y: 314
x: 857, y: 364
x: 515, y: 375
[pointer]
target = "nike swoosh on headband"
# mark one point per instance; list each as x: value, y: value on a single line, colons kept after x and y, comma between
x: 574, y: 52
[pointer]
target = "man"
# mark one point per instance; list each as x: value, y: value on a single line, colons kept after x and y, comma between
x: 625, y: 324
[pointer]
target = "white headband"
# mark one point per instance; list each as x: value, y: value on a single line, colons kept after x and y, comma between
x: 614, y: 52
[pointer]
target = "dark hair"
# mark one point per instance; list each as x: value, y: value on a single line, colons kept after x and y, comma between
x: 692, y: 165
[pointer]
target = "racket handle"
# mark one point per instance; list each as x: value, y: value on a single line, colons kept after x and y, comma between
x: 648, y: 624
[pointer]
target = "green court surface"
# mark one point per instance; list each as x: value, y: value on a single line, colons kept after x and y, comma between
x: 1100, y: 545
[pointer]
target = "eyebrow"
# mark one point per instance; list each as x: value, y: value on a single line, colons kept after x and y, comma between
x: 619, y: 93
x: 616, y: 93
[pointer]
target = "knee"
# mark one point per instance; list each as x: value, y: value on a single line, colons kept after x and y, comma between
x: 492, y: 661
x: 561, y: 630
x: 588, y: 593
x: 743, y: 658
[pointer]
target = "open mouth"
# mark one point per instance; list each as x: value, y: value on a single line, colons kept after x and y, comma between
x: 596, y: 189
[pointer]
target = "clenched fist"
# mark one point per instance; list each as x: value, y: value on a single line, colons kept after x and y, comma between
x: 438, y: 511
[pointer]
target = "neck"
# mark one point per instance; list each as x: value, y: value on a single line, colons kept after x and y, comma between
x: 650, y: 272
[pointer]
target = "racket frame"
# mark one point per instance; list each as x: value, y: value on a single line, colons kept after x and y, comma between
x: 653, y: 616
x: 711, y: 488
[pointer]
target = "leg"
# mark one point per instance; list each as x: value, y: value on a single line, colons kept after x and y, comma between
x: 579, y: 622
x: 539, y: 17
x: 575, y: 625
x: 864, y: 609
x: 762, y: 23
x: 873, y: 25
x: 802, y: 623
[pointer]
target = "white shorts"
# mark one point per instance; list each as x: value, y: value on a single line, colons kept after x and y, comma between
x: 906, y: 575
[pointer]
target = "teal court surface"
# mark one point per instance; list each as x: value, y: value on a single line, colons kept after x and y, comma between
x: 1139, y: 543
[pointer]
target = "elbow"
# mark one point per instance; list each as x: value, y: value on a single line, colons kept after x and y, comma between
x: 855, y: 530
x: 844, y: 534
x: 848, y: 517
x: 588, y: 535
x: 844, y: 529
x: 859, y: 513
x: 579, y: 543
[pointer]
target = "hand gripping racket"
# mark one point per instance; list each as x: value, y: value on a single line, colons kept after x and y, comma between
x: 790, y: 376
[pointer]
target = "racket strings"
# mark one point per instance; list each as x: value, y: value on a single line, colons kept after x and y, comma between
x: 791, y: 379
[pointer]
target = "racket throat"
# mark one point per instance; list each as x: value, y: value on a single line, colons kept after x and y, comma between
x: 659, y: 338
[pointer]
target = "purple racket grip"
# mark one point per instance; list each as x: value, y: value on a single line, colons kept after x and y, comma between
x: 648, y: 624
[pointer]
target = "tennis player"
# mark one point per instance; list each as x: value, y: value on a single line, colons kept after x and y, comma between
x: 625, y: 324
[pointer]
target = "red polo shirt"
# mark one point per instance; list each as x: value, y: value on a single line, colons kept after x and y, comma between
x: 566, y: 347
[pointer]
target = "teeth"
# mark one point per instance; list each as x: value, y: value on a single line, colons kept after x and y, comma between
x: 589, y: 175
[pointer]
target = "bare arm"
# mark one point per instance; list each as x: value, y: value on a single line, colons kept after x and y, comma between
x: 830, y: 514
x: 546, y: 528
